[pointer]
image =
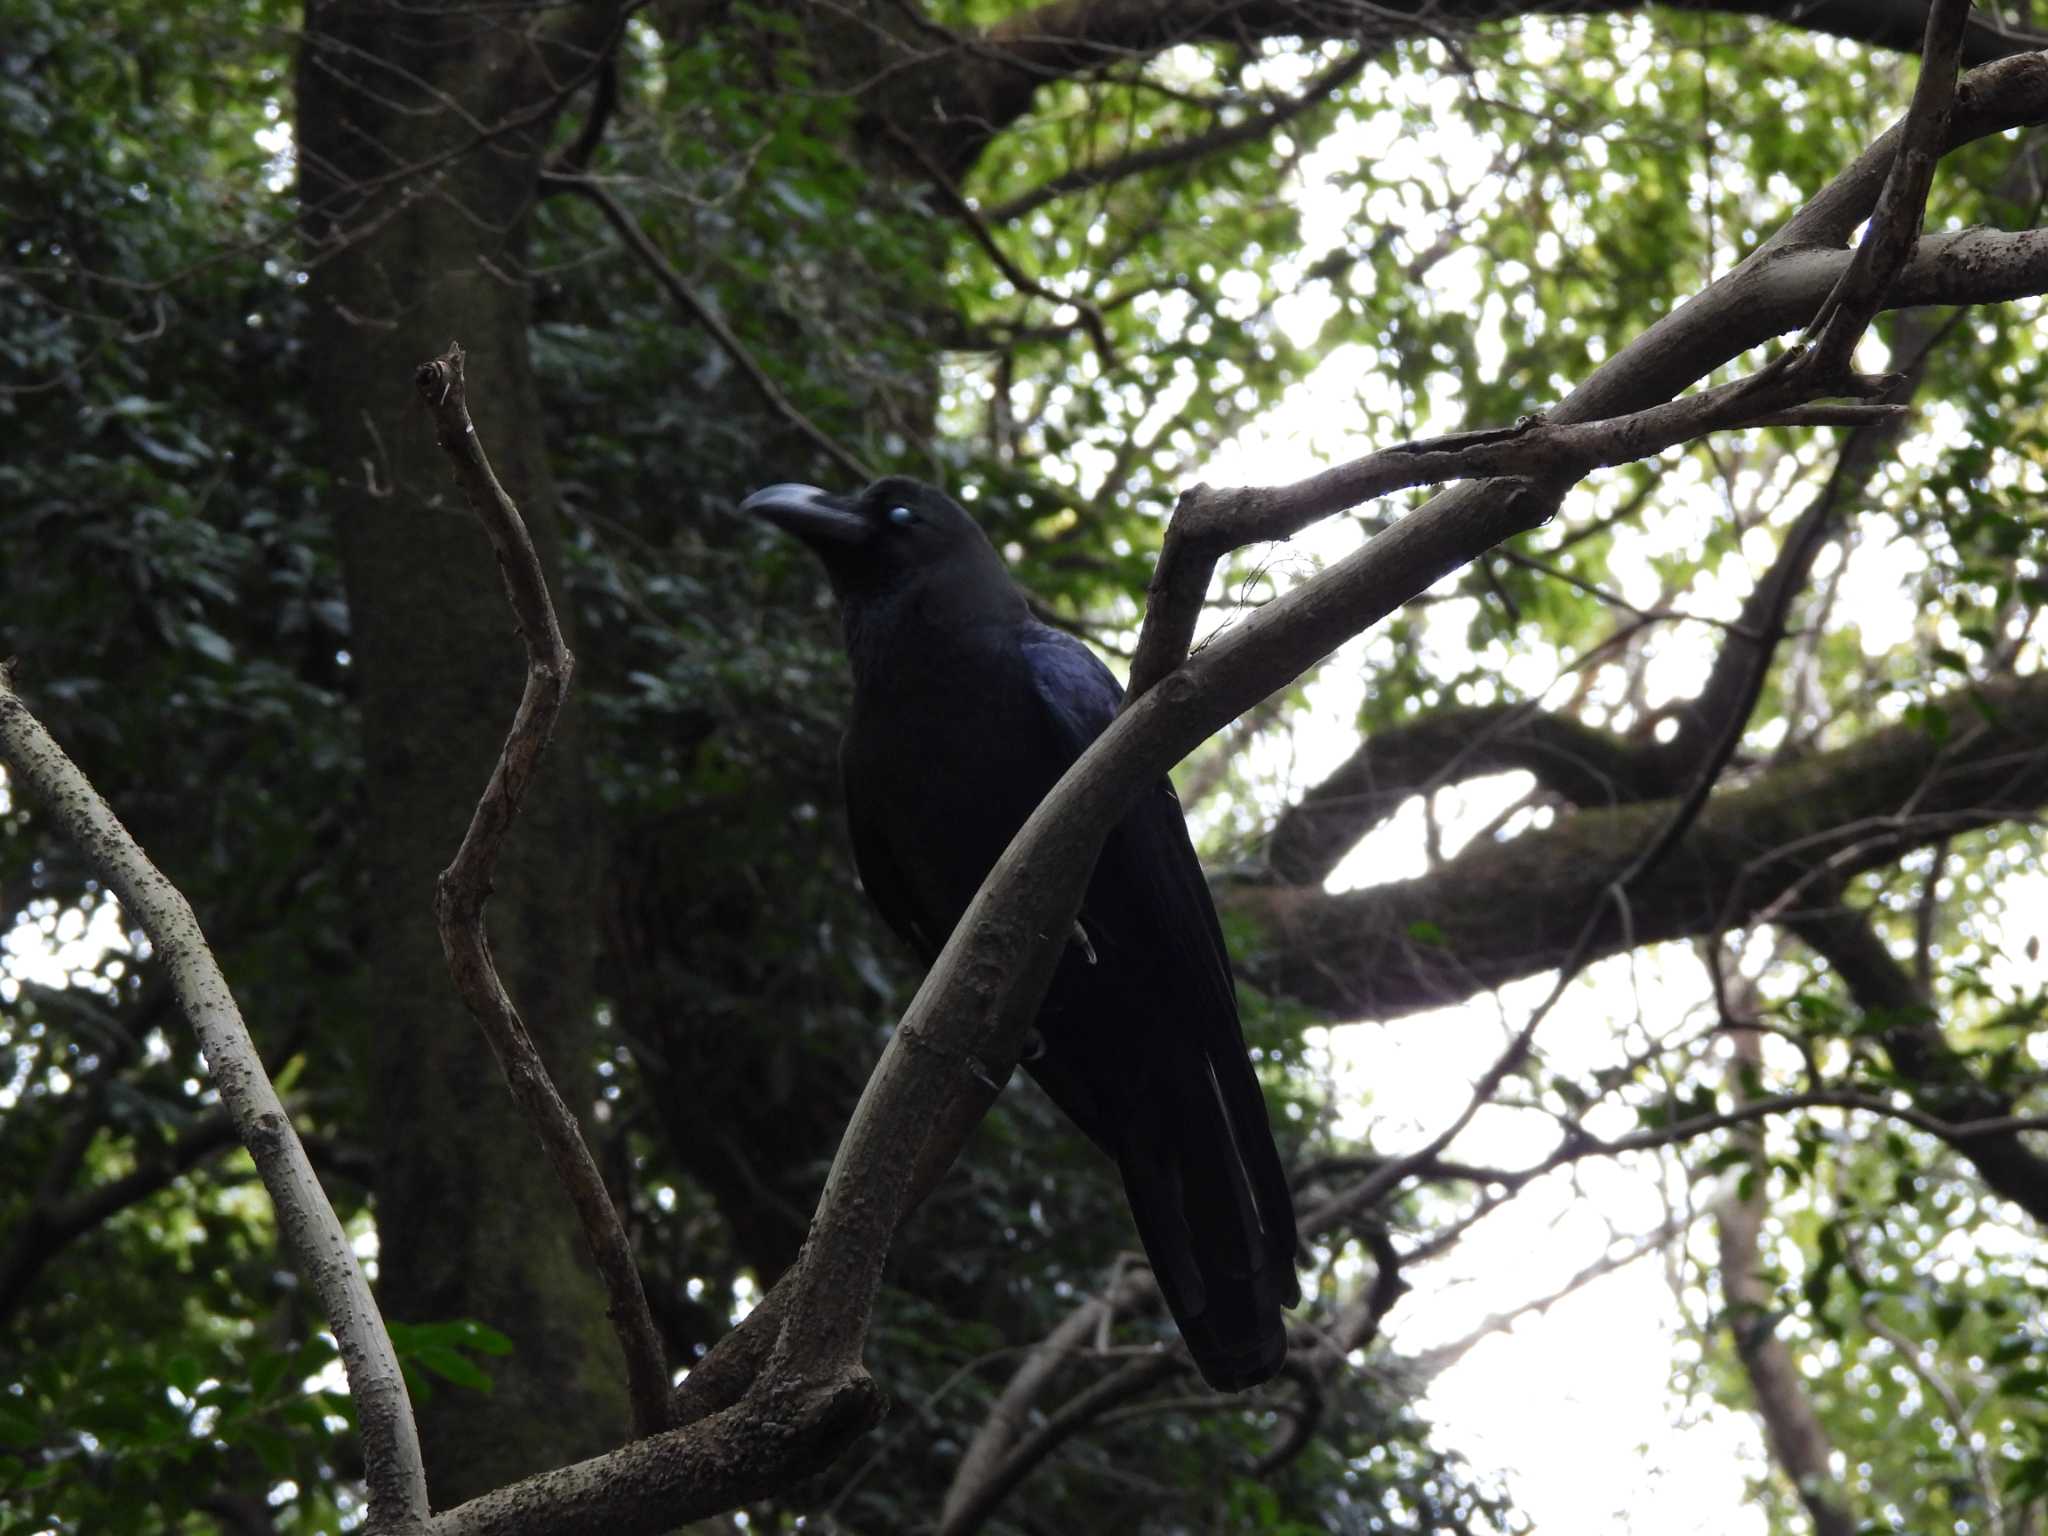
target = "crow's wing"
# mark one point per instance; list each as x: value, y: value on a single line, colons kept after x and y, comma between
x: 1189, y: 1126
x: 880, y: 874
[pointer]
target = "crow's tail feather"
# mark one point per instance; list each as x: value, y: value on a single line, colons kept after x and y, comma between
x: 1223, y: 1256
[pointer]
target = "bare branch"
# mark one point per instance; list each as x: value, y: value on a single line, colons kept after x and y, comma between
x: 1888, y: 242
x: 679, y: 289
x: 1247, y: 130
x: 1434, y: 1362
x: 319, y: 1246
x: 464, y: 888
x: 999, y: 1432
x: 1138, y: 1377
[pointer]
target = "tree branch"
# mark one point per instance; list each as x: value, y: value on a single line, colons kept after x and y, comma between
x: 1402, y: 946
x: 687, y: 298
x: 464, y: 888
x: 989, y: 81
x: 1585, y: 765
x: 1798, y: 1442
x: 1888, y: 240
x: 1199, y: 146
x: 1941, y: 1083
x: 999, y: 1431
x: 979, y: 1502
x: 50, y: 1227
x: 320, y: 1248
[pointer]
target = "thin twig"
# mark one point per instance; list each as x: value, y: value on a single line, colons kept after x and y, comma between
x: 679, y: 289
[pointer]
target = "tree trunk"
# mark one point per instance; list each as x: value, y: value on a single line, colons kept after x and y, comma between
x: 417, y: 199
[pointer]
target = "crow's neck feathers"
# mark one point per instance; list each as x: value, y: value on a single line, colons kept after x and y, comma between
x: 933, y: 607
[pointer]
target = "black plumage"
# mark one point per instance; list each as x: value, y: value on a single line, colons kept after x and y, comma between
x: 966, y: 711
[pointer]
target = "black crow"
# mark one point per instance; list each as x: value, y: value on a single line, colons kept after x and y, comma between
x: 966, y: 711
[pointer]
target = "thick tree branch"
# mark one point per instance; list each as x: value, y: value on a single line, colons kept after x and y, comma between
x: 1407, y: 945
x: 989, y: 80
x: 463, y: 890
x: 1585, y: 765
x: 741, y: 1453
x: 320, y: 1248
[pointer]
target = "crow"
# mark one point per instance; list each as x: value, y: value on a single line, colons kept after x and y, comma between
x: 966, y: 710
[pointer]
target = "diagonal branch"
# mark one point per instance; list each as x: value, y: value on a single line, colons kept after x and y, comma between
x: 49, y: 1226
x: 1888, y: 242
x: 1406, y: 945
x: 956, y: 203
x: 1247, y: 130
x: 1940, y: 1081
x: 978, y: 1502
x: 1000, y: 1431
x: 692, y: 303
x: 320, y: 1248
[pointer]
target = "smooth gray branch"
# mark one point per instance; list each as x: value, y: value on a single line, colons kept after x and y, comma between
x: 320, y: 1248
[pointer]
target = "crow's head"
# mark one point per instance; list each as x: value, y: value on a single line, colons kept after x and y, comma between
x: 888, y: 536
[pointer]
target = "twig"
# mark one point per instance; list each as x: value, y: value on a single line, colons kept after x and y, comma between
x: 464, y: 888
x: 320, y: 1248
x: 1539, y: 459
x: 1251, y: 129
x: 679, y: 289
x: 1007, y: 1417
x: 1075, y: 1414
x: 957, y: 204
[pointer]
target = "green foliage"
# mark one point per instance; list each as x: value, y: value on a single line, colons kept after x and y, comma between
x: 1439, y: 240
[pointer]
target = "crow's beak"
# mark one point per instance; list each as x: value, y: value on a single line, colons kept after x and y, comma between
x: 815, y: 516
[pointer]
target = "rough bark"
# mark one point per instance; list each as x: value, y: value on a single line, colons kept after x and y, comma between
x: 965, y: 95
x: 1501, y: 911
x: 420, y: 133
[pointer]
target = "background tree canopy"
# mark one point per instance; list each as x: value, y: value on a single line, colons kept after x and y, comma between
x: 1058, y: 257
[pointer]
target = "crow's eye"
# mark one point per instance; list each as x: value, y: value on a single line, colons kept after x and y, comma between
x: 902, y: 517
